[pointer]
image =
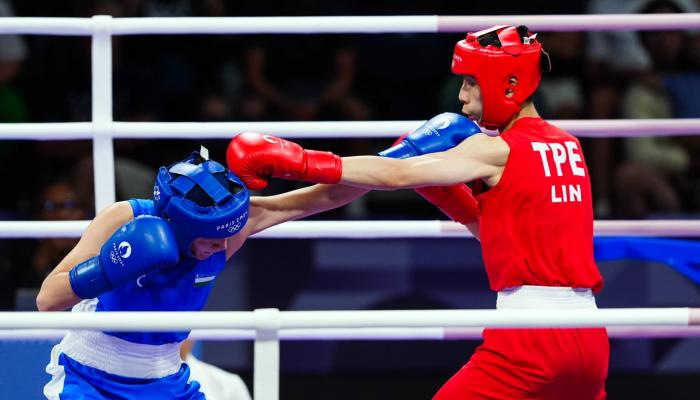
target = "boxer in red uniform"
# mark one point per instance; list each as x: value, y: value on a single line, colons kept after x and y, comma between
x: 535, y: 222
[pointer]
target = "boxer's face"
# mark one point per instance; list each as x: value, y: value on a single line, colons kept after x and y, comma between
x: 203, y: 248
x: 470, y: 97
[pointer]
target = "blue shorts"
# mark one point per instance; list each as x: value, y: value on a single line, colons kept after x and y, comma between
x: 73, y: 380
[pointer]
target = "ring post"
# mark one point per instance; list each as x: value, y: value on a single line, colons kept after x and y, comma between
x: 266, y: 368
x: 102, y: 149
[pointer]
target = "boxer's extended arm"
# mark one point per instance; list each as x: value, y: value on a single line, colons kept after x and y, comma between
x: 273, y: 210
x: 268, y: 211
x: 478, y: 157
x: 56, y: 292
x: 255, y: 157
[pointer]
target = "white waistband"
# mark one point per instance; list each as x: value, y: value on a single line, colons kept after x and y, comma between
x: 120, y: 357
x: 545, y: 297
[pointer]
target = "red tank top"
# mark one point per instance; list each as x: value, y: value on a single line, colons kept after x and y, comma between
x: 536, y: 224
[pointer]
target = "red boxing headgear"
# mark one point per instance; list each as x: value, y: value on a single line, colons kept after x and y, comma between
x: 494, y: 56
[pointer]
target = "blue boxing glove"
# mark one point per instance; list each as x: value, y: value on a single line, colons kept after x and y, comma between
x: 145, y: 244
x: 456, y: 201
x: 440, y: 133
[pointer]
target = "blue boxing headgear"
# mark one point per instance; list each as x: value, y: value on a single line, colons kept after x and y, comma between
x: 200, y: 198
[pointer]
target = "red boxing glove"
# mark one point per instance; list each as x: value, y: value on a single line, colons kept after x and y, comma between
x: 255, y: 157
x: 456, y: 201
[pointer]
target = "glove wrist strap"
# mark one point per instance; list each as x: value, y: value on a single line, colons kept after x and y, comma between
x: 88, y: 279
x: 323, y: 167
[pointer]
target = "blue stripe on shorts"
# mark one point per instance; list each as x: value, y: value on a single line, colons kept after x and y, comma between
x: 86, y: 383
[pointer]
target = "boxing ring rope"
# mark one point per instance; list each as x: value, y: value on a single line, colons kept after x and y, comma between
x: 368, y: 229
x: 268, y: 326
x: 274, y: 320
x: 347, y: 24
x: 392, y: 334
x: 611, y: 128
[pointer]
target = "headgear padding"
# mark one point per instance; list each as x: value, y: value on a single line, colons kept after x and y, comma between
x: 200, y: 198
x: 494, y: 56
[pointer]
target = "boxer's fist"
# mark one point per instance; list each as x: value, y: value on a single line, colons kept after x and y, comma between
x: 140, y: 246
x: 456, y: 201
x: 255, y: 158
x: 440, y: 133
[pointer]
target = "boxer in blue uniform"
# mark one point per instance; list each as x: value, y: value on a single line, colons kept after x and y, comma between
x: 158, y: 255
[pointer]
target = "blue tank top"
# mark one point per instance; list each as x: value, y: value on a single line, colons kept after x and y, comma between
x: 184, y: 287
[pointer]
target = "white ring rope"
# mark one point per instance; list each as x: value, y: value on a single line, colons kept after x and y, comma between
x: 615, y: 332
x: 271, y: 319
x: 368, y: 229
x: 347, y: 24
x: 319, y: 129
